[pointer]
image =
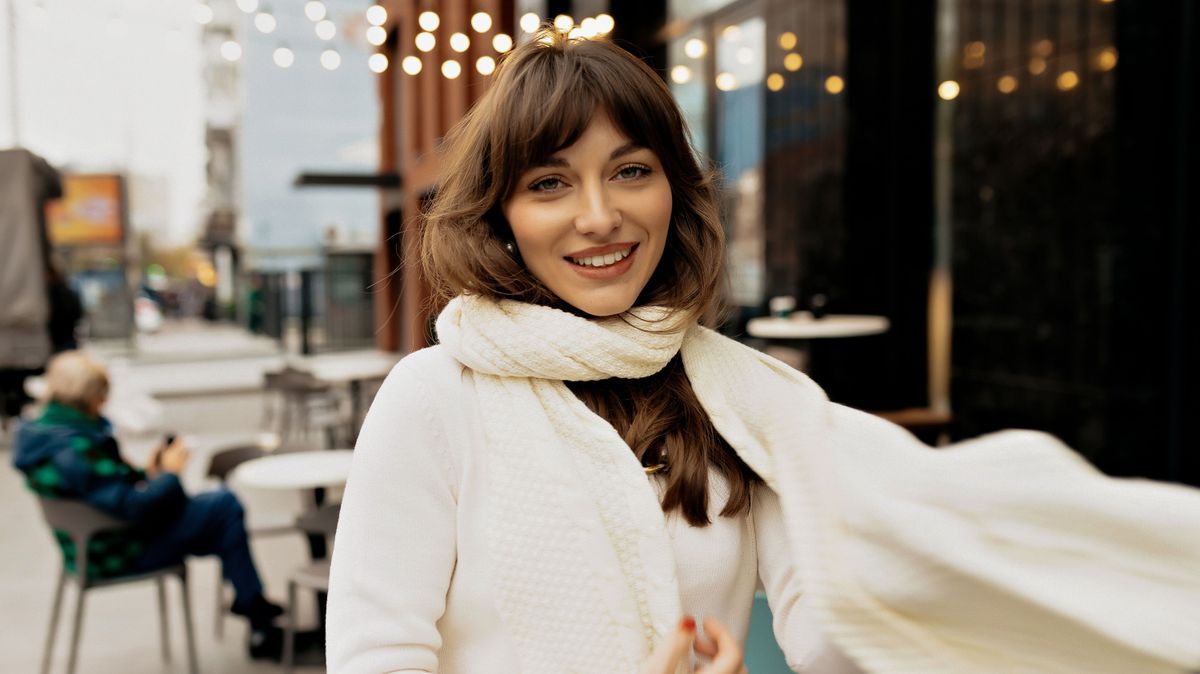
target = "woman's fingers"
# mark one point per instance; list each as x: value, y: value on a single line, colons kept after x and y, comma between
x: 727, y: 658
x: 673, y: 650
x: 705, y: 646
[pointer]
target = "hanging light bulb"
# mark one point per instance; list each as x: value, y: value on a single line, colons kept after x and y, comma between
x: 283, y: 57
x: 486, y: 65
x: 681, y: 74
x: 775, y: 81
x: 376, y: 35
x: 530, y: 22
x: 429, y: 21
x: 695, y: 48
x: 425, y: 41
x: 326, y: 29
x: 411, y: 65
x: 726, y: 82
x: 377, y: 63
x: 314, y: 10
x: 231, y: 51
x: 481, y: 22
x: 1006, y: 84
x: 460, y: 42
x: 793, y: 62
x: 451, y: 69
x: 502, y: 42
x: 589, y: 28
x: 563, y: 22
x: 787, y: 41
x: 264, y: 21
x: 605, y: 24
x: 948, y: 90
x: 330, y: 59
x: 376, y: 16
x: 834, y: 84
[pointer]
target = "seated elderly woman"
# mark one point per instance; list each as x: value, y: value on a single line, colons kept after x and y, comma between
x: 70, y: 452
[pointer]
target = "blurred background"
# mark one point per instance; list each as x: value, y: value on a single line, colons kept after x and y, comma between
x: 965, y: 215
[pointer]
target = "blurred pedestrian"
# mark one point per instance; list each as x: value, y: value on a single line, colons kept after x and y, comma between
x: 65, y: 312
x: 70, y: 452
x: 579, y: 470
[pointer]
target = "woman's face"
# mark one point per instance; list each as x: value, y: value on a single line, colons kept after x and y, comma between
x: 591, y: 223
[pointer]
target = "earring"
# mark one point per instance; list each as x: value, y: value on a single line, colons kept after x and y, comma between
x: 511, y: 247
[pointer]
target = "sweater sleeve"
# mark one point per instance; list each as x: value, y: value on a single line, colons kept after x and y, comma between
x: 113, y: 487
x: 794, y: 621
x: 395, y: 546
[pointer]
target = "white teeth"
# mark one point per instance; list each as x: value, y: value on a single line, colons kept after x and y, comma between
x: 602, y: 260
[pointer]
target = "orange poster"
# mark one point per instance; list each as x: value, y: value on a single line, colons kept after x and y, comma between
x: 91, y: 211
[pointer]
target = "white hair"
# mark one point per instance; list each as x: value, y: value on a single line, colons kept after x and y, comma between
x: 75, y: 378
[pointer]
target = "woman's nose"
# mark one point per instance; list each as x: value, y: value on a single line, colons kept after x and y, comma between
x: 597, y: 214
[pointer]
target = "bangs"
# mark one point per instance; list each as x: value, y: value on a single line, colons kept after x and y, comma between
x: 558, y: 94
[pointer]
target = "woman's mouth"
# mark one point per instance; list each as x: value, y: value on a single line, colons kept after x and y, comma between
x: 609, y: 265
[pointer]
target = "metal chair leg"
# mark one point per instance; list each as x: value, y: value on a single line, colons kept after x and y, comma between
x: 48, y: 655
x: 163, y: 627
x: 219, y: 608
x: 189, y: 632
x: 289, y: 631
x: 76, y: 630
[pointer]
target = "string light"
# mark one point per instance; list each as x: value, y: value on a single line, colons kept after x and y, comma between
x: 481, y: 22
x: 1006, y: 84
x: 787, y: 41
x: 726, y: 82
x: 486, y: 65
x: 451, y: 69
x: 695, y: 48
x: 330, y: 59
x: 1037, y: 65
x: 1067, y: 80
x: 530, y: 22
x: 314, y: 10
x: 774, y: 81
x: 377, y: 63
x: 563, y: 22
x: 376, y: 35
x: 411, y: 65
x: 202, y: 14
x: 425, y: 41
x: 231, y: 51
x: 681, y: 74
x: 575, y: 33
x: 326, y: 29
x: 793, y: 62
x: 264, y: 22
x: 605, y: 24
x: 247, y: 6
x: 1106, y: 60
x: 589, y: 28
x: 429, y: 21
x: 948, y: 90
x: 834, y: 84
x: 283, y: 57
x: 502, y: 42
x: 376, y: 16
x: 459, y: 42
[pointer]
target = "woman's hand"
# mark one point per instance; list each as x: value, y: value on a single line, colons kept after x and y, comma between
x: 720, y: 647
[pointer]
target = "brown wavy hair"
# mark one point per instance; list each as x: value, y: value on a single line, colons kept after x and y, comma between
x: 541, y: 100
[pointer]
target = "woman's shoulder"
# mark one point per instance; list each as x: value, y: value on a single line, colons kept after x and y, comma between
x: 432, y: 367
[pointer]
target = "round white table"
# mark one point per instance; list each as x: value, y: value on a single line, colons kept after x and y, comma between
x: 295, y: 470
x: 802, y: 325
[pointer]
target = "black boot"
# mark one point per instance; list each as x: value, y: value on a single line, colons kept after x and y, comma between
x: 266, y: 640
x: 260, y: 611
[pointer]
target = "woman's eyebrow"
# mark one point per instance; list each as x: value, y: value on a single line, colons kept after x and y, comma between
x: 555, y: 162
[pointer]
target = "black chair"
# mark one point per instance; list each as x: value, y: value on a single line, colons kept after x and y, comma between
x: 81, y: 522
x: 313, y: 576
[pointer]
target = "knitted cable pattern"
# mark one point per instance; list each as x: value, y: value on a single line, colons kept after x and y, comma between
x: 1006, y: 553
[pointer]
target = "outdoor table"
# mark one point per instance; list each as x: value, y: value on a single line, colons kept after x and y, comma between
x: 800, y: 327
x: 315, y: 469
x: 351, y: 370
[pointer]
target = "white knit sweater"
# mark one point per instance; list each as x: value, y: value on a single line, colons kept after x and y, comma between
x: 410, y: 587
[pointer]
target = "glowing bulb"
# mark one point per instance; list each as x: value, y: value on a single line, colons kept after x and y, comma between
x: 451, y: 69
x: 459, y: 42
x: 605, y: 24
x: 530, y: 22
x: 1037, y: 65
x: 486, y: 65
x: 376, y: 15
x: 588, y: 28
x: 575, y: 33
x: 314, y: 10
x: 681, y: 74
x: 1106, y: 60
x: 202, y: 14
x: 425, y: 41
x: 481, y: 22
x: 774, y: 81
x: 283, y: 57
x: 264, y: 22
x: 247, y: 6
x: 726, y: 82
x: 326, y: 29
x: 787, y: 41
x: 1067, y: 80
x: 231, y: 51
x: 1043, y: 48
x: 695, y: 48
x: 793, y: 62
x: 330, y: 59
x: 834, y: 84
x: 429, y: 21
x: 376, y: 35
x: 502, y: 42
x: 948, y: 90
x: 563, y: 22
x: 377, y: 63
x: 411, y: 65
x: 1006, y: 84
x: 975, y: 49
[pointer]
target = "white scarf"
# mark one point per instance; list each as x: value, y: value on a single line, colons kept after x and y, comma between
x: 1002, y: 554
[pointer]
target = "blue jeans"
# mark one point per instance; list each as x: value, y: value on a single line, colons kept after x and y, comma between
x: 212, y: 523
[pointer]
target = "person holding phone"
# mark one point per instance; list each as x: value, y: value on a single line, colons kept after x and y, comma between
x: 70, y: 452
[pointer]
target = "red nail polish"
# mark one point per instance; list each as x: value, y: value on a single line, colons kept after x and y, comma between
x: 688, y: 624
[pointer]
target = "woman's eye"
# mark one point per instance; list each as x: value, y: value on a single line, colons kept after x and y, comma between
x: 632, y: 172
x: 546, y: 185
